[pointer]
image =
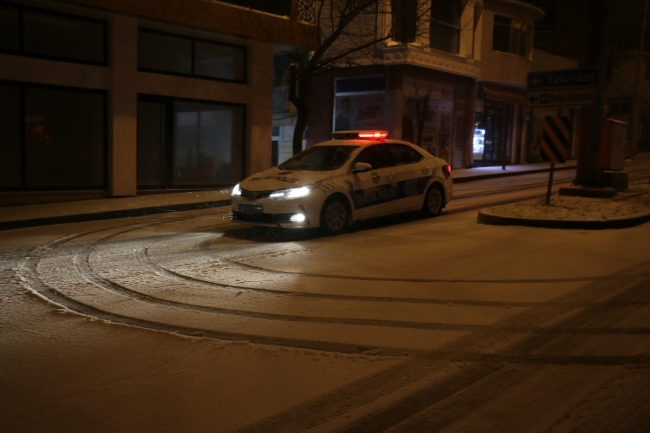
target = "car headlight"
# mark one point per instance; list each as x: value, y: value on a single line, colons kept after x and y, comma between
x: 291, y: 193
x: 236, y: 190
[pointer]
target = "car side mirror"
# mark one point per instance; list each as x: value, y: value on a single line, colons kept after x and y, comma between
x: 360, y: 167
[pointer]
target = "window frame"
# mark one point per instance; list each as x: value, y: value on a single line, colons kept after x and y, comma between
x: 455, y: 28
x: 193, y: 41
x: 21, y: 35
x: 512, y: 32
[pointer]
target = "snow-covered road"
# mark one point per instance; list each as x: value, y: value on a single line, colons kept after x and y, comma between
x: 186, y: 322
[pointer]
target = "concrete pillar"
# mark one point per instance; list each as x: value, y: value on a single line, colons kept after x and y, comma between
x: 123, y: 106
x: 259, y: 110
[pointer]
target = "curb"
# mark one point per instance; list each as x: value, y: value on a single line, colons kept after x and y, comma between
x: 619, y: 223
x: 508, y: 174
x: 124, y: 213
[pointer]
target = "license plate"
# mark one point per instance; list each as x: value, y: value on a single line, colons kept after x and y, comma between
x: 251, y: 208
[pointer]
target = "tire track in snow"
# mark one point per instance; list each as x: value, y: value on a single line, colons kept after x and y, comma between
x: 404, y: 408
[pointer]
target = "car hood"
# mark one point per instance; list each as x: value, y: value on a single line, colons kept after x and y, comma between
x: 275, y: 179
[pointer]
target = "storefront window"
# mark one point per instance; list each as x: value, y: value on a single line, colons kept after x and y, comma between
x: 60, y: 143
x: 65, y: 138
x: 10, y: 141
x: 189, y: 143
x: 360, y: 103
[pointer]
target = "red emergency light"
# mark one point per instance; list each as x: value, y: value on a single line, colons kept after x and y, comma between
x: 373, y: 134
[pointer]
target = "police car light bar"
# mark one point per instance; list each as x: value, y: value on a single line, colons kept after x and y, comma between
x: 351, y: 135
x: 373, y: 134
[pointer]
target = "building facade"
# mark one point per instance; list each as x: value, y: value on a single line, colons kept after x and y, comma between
x: 114, y: 98
x: 450, y: 77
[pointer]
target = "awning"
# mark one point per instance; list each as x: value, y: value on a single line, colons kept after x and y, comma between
x: 500, y: 94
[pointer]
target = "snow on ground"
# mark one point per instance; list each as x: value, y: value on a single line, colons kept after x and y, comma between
x: 635, y: 201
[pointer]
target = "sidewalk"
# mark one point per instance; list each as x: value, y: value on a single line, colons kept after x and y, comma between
x: 14, y: 217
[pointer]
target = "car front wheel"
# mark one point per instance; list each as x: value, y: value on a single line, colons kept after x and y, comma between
x: 334, y: 216
x: 433, y: 201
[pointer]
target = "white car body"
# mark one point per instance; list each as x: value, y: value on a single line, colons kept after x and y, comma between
x: 295, y: 198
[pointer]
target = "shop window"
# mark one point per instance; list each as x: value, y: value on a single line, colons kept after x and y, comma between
x: 151, y: 144
x: 65, y: 138
x: 10, y: 141
x: 510, y: 36
x: 189, y: 143
x: 52, y: 138
x: 445, y: 25
x: 51, y: 35
x: 178, y: 55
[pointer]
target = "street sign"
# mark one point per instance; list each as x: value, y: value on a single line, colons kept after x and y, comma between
x: 555, y: 139
x: 558, y: 98
x: 562, y: 79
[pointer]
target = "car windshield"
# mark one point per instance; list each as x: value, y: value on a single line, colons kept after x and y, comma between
x: 319, y: 158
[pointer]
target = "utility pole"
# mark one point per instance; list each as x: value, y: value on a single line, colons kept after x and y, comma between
x: 588, y: 172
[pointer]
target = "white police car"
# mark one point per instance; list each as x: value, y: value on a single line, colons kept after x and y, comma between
x: 357, y: 175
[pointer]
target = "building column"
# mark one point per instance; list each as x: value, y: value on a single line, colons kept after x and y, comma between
x: 123, y: 107
x: 259, y: 110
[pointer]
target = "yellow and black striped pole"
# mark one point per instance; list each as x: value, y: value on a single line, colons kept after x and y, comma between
x: 554, y: 145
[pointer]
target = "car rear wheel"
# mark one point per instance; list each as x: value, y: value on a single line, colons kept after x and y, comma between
x: 433, y: 201
x: 334, y: 216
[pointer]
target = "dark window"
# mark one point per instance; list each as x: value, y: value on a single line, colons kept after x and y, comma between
x: 9, y: 28
x: 10, y: 140
x: 219, y: 61
x: 375, y: 156
x: 619, y: 106
x: 445, y: 25
x: 63, y: 37
x: 510, y: 36
x: 65, y: 138
x: 178, y: 55
x: 52, y: 138
x: 276, y: 7
x: 189, y: 143
x: 164, y: 53
x: 363, y: 84
x: 501, y: 34
x: 404, y: 13
x: 51, y: 35
x: 151, y: 144
x: 275, y: 154
x: 401, y: 154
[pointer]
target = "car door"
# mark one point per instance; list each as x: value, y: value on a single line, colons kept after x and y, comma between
x: 374, y: 191
x: 410, y: 175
